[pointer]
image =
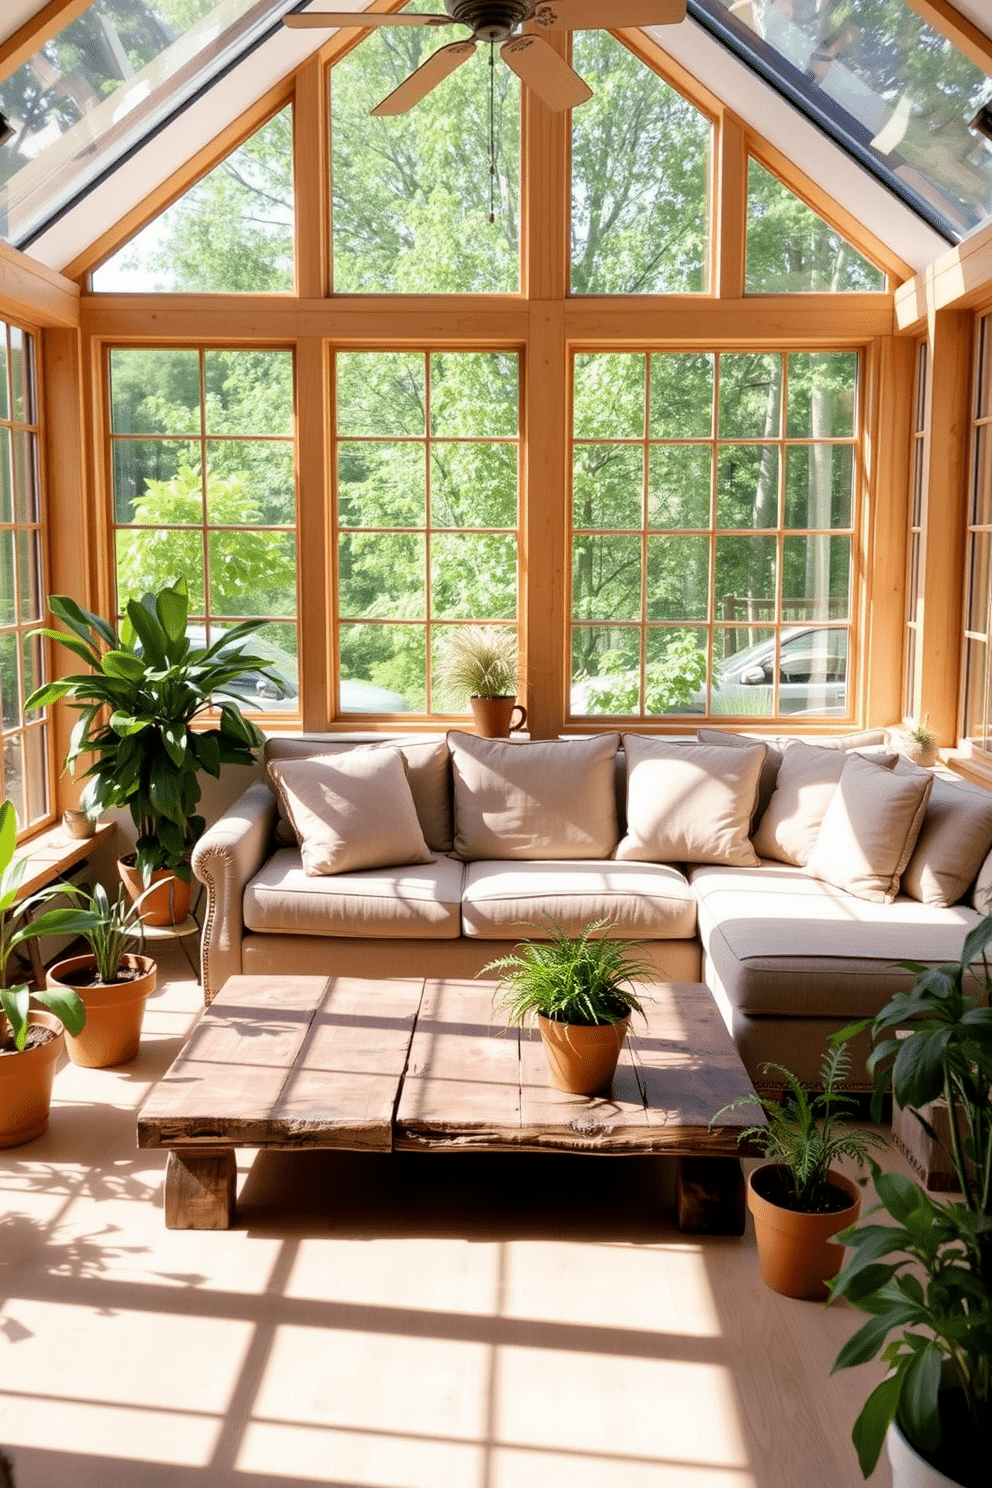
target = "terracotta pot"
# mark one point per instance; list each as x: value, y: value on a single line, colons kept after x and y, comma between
x: 582, y: 1060
x: 169, y: 904
x: 494, y: 716
x: 26, y: 1085
x: 114, y: 1014
x: 794, y: 1250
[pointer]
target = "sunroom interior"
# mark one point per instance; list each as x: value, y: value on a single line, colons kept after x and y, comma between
x: 689, y: 386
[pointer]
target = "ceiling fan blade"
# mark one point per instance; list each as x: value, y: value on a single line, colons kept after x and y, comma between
x: 427, y: 76
x: 362, y: 19
x: 541, y: 68
x: 592, y: 15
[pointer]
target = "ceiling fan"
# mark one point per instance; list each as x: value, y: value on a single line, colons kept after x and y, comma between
x: 536, y: 63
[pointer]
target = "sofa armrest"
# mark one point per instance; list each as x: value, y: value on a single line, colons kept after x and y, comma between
x: 227, y: 855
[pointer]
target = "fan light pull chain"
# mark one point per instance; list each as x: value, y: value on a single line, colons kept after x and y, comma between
x: 492, y: 132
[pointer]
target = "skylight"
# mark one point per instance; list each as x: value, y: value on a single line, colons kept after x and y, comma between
x: 895, y: 92
x: 102, y: 84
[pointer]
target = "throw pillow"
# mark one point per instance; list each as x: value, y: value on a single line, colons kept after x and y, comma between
x: 690, y: 803
x: 351, y: 811
x: 532, y: 800
x: 869, y: 829
x: 954, y: 840
x: 807, y: 778
x: 769, y: 770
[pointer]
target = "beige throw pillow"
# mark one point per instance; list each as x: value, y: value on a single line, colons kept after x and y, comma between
x: 690, y: 803
x: 533, y: 800
x: 869, y: 829
x: 807, y: 779
x: 769, y: 770
x: 350, y: 811
x: 954, y: 840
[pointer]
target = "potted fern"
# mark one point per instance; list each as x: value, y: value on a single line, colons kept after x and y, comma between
x: 798, y: 1199
x: 481, y: 662
x: 579, y: 991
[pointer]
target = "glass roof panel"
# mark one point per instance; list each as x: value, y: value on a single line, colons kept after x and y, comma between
x: 893, y: 91
x: 99, y: 86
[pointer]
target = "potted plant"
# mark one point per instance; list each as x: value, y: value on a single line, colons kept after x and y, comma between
x: 113, y: 982
x: 481, y: 661
x: 918, y: 742
x: 925, y: 1276
x: 579, y: 991
x: 798, y: 1199
x: 146, y: 690
x: 30, y: 1041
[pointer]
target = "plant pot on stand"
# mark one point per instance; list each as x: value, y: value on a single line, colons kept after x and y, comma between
x: 167, y: 899
x: 114, y: 1010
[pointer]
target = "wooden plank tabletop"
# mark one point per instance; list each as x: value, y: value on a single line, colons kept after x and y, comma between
x: 291, y: 1061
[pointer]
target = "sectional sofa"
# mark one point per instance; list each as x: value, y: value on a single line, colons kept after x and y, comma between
x: 790, y: 876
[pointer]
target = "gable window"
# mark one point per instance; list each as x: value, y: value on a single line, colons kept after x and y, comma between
x: 791, y: 250
x: 712, y: 517
x: 25, y: 744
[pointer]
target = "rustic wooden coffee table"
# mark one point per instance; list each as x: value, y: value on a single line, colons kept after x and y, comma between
x: 310, y: 1061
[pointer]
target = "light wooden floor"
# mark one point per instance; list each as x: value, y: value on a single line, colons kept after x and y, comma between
x: 414, y: 1321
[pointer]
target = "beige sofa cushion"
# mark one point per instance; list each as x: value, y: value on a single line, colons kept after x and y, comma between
x: 350, y: 811
x: 769, y: 769
x: 417, y: 901
x: 954, y: 840
x: 534, y: 800
x: 428, y: 769
x: 690, y: 803
x: 807, y: 778
x: 869, y: 829
x: 503, y: 901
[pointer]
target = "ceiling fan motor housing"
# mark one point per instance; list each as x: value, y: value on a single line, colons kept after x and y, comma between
x: 489, y: 20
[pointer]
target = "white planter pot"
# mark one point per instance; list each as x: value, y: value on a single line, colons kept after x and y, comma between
x: 909, y: 1470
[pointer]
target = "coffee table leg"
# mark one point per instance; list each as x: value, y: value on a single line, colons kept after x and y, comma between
x: 709, y: 1195
x: 200, y: 1188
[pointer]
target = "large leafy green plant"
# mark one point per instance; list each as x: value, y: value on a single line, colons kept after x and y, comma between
x: 146, y: 688
x: 806, y: 1132
x: 15, y: 928
x: 584, y: 979
x: 925, y: 1277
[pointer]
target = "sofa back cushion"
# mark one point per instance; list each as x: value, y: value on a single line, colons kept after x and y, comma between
x: 954, y: 840
x: 690, y: 803
x: 807, y: 779
x: 769, y: 769
x: 350, y: 810
x: 534, y: 799
x: 869, y: 829
x: 427, y: 768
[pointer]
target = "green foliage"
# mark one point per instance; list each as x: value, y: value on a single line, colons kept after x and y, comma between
x: 480, y: 661
x: 790, y: 250
x: 156, y: 686
x: 109, y: 926
x: 806, y: 1132
x: 925, y: 1275
x: 584, y: 979
x: 669, y: 681
x: 15, y: 928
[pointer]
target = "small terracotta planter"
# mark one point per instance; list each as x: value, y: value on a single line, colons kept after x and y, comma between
x: 169, y: 904
x: 26, y: 1084
x: 794, y: 1250
x: 114, y: 1011
x: 581, y: 1059
x: 494, y: 716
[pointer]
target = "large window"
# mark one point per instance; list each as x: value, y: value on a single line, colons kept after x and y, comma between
x: 24, y: 753
x: 977, y: 729
x: 427, y: 477
x: 713, y: 501
x: 201, y: 447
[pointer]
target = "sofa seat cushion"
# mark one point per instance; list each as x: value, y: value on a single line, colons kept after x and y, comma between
x: 785, y: 944
x: 419, y: 902
x: 505, y: 901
